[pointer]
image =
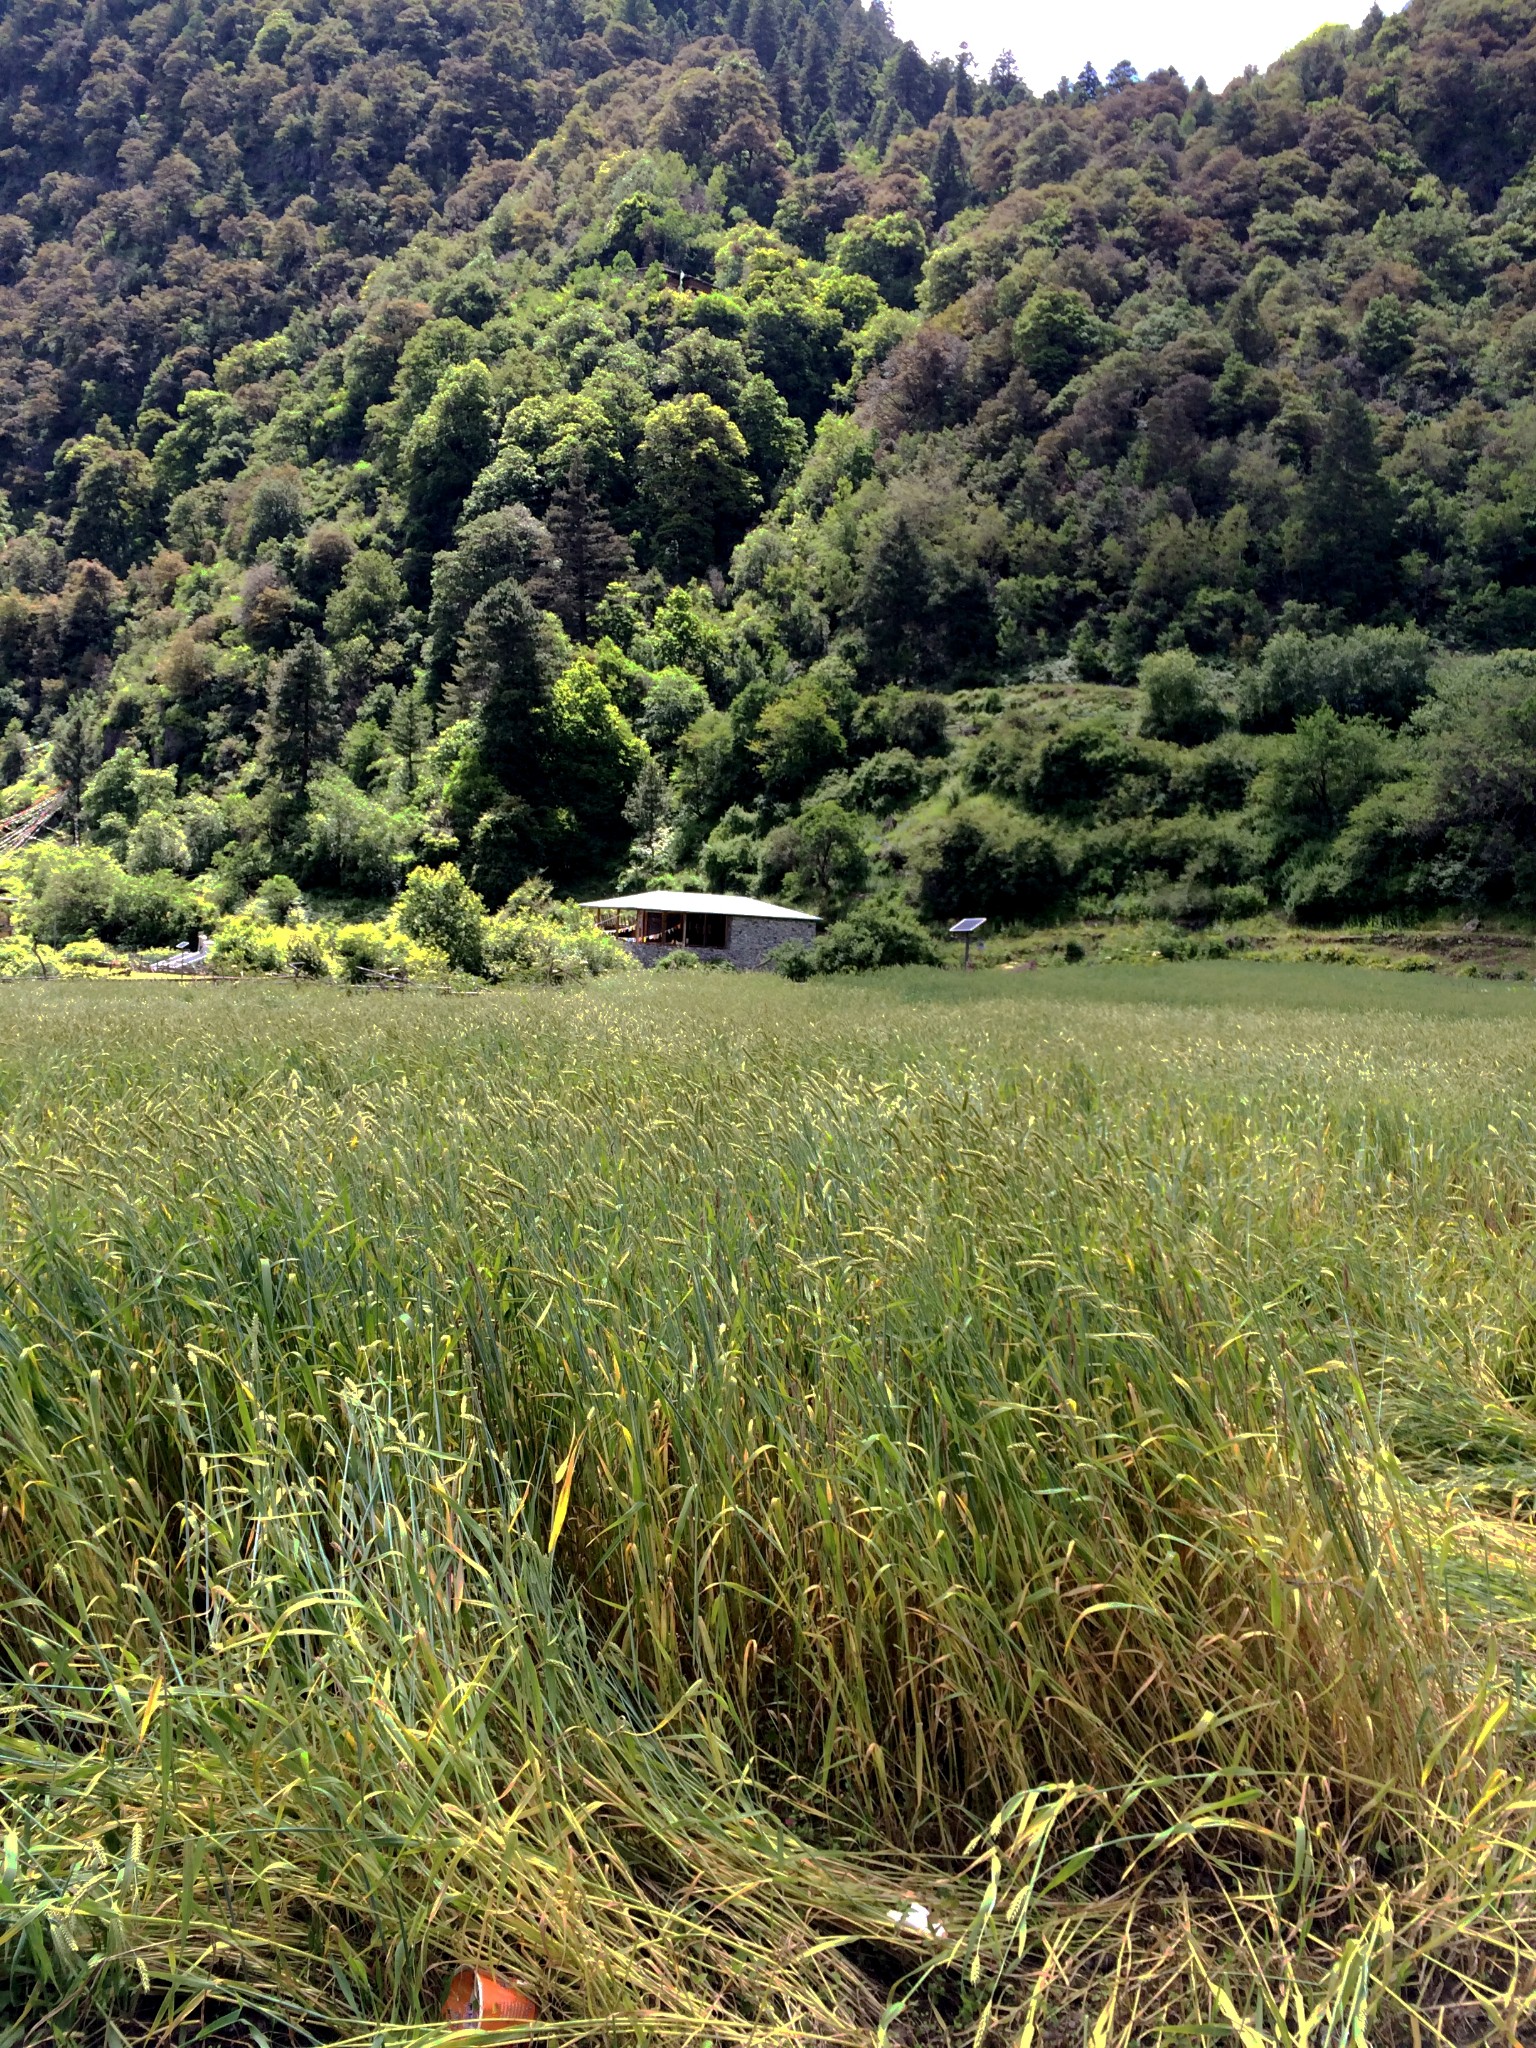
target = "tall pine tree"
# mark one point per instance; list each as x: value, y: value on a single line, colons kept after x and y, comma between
x: 1340, y: 545
x: 504, y: 676
x: 301, y: 726
x: 949, y: 178
x: 410, y: 732
x: 589, y: 554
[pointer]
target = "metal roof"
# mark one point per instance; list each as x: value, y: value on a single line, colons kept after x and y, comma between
x: 703, y: 905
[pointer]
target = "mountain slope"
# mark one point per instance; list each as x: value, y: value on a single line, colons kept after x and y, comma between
x: 445, y: 434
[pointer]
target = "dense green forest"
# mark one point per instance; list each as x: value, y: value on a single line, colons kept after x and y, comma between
x: 725, y: 446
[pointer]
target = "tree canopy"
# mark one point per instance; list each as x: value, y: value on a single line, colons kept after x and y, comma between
x: 672, y: 442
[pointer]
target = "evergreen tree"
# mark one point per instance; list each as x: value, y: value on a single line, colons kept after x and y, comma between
x: 786, y: 97
x: 949, y: 178
x: 504, y: 675
x: 588, y: 553
x: 887, y: 117
x: 763, y: 32
x: 909, y: 82
x: 76, y: 751
x: 507, y: 543
x: 301, y: 726
x: 1086, y: 87
x: 1004, y: 82
x: 1341, y: 545
x: 649, y: 806
x: 815, y: 76
x: 850, y: 78
x: 893, y: 596
x: 410, y: 732
x: 824, y: 146
x: 444, y: 452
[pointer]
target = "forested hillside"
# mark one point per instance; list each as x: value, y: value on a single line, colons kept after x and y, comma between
x: 726, y: 446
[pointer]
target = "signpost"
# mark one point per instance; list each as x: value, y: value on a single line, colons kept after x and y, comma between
x: 966, y: 928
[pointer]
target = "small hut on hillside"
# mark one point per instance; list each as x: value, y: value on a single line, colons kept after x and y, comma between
x: 738, y: 929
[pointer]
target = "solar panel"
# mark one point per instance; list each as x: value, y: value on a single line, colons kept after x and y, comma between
x: 965, y: 926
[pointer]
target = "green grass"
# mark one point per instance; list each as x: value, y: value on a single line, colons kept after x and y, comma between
x: 623, y: 1486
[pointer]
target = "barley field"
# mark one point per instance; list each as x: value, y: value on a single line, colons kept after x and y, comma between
x: 641, y: 1488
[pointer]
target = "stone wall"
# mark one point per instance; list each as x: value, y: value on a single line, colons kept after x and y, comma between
x: 754, y: 938
x: 651, y: 954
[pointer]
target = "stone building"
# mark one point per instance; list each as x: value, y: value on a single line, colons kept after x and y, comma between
x: 737, y: 929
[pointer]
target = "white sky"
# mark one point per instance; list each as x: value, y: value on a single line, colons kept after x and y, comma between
x: 1195, y: 36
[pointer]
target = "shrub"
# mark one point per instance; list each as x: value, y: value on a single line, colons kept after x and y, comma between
x: 1077, y: 770
x: 90, y: 953
x: 1215, y: 777
x: 916, y: 721
x: 249, y: 945
x: 438, y: 908
x: 981, y: 860
x: 886, y: 782
x: 1375, y: 672
x: 536, y: 937
x: 818, y: 857
x: 306, y: 956
x: 281, y: 896
x: 72, y: 894
x: 874, y: 934
x: 682, y: 959
x: 729, y: 856
x: 1241, y: 899
x: 359, y: 949
x: 151, y: 910
x: 1177, y: 701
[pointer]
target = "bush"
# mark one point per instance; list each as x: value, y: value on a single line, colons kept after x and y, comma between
x: 681, y: 960
x: 1213, y: 778
x: 887, y: 782
x: 90, y: 953
x: 1241, y: 899
x: 281, y: 896
x: 1177, y: 701
x: 1077, y: 770
x: 438, y: 908
x: 914, y: 721
x: 249, y: 945
x: 152, y: 910
x: 306, y: 956
x: 1375, y: 672
x: 729, y: 856
x: 359, y: 949
x: 536, y: 937
x: 73, y: 894
x: 872, y: 935
x: 981, y: 860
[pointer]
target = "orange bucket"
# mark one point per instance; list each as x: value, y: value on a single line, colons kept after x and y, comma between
x: 477, y: 2000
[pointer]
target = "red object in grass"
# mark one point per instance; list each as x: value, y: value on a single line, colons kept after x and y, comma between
x: 477, y: 2000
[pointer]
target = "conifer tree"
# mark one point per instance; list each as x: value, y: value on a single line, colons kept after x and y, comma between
x: 589, y: 554
x: 1341, y: 547
x: 504, y: 676
x: 300, y: 728
x: 444, y: 452
x: 949, y: 178
x: 410, y: 732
